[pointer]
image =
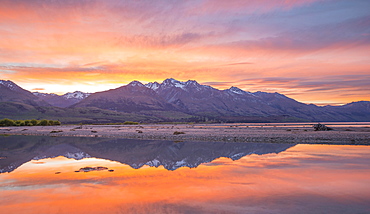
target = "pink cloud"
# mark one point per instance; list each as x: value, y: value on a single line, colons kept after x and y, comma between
x: 249, y: 6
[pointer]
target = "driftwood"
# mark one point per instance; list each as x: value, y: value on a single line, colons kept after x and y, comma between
x: 321, y: 127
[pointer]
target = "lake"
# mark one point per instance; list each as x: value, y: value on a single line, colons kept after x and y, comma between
x: 95, y: 175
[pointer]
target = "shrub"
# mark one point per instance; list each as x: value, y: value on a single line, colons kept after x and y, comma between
x: 130, y: 123
x: 7, y: 122
x: 27, y: 123
x: 34, y: 122
x: 57, y: 123
x: 17, y: 123
x: 43, y: 123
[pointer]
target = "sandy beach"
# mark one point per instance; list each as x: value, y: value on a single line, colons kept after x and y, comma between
x: 287, y: 133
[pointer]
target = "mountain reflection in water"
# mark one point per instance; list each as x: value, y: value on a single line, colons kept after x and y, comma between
x: 135, y: 153
x: 133, y: 176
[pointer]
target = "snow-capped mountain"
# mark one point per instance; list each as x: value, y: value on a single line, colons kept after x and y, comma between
x: 230, y: 105
x: 236, y: 90
x: 10, y: 85
x: 76, y: 95
x: 170, y: 83
x: 190, y: 101
x: 64, y: 100
x: 11, y: 92
x: 153, y: 85
x: 133, y: 97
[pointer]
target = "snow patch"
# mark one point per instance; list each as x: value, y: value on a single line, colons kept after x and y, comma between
x: 8, y: 84
x: 40, y: 94
x: 153, y: 85
x: 136, y: 83
x: 168, y: 83
x: 173, y: 82
x: 77, y: 155
x: 180, y: 163
x: 76, y: 95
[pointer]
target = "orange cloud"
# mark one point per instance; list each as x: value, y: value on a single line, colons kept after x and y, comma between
x: 110, y: 43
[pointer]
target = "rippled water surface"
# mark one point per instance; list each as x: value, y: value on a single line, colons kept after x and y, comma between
x: 94, y: 175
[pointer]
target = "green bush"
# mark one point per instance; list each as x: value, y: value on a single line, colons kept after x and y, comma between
x: 43, y: 123
x: 28, y: 123
x: 57, y: 123
x: 130, y: 123
x: 7, y: 122
x: 34, y: 122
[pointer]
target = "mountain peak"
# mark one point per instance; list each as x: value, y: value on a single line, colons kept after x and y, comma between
x: 153, y: 85
x: 236, y: 90
x: 173, y: 82
x: 9, y: 84
x: 76, y: 95
x: 192, y: 82
x: 136, y: 83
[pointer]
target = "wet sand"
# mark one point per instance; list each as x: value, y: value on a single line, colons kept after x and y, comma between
x: 205, y: 132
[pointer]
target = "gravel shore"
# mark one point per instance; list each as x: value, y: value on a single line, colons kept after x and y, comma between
x: 205, y: 132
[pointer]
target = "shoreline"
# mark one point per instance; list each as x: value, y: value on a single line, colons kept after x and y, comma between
x: 204, y: 132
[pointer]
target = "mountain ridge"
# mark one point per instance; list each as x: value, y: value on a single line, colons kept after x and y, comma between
x: 191, y: 101
x: 63, y: 101
x: 11, y: 92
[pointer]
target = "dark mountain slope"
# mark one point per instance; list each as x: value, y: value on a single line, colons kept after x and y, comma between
x: 86, y: 115
x: 133, y: 97
x: 11, y: 92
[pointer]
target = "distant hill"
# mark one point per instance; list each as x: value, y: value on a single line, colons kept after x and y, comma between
x: 63, y: 101
x: 88, y: 115
x: 175, y: 101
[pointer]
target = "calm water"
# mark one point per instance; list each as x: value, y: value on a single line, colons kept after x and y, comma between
x: 45, y: 175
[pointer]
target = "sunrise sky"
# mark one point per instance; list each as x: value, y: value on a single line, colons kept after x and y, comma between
x: 315, y: 51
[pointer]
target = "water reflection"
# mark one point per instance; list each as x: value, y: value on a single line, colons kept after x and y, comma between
x: 260, y: 178
x: 136, y: 153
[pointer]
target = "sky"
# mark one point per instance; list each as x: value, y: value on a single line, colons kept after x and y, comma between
x: 314, y: 51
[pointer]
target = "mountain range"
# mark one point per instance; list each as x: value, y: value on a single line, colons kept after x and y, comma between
x: 17, y: 150
x: 63, y: 101
x: 173, y: 100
